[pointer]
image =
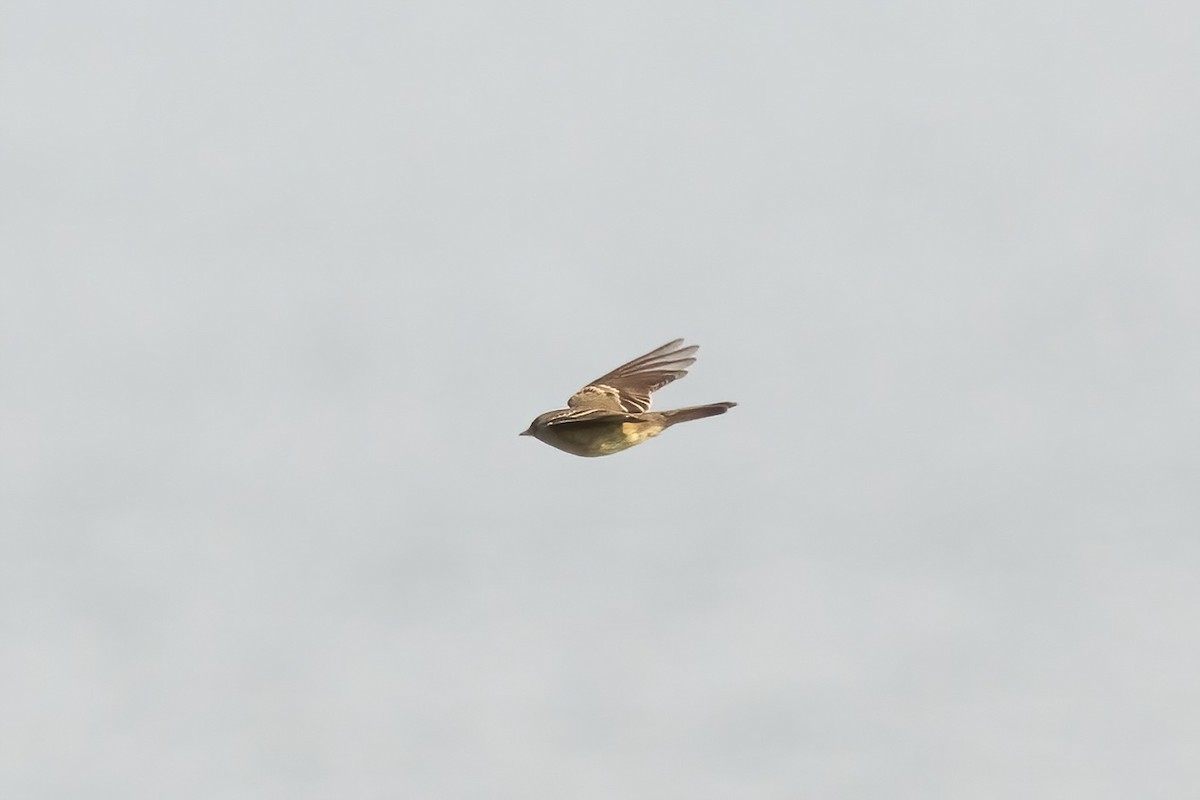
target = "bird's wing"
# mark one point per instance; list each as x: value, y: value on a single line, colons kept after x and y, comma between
x: 627, y: 388
x: 579, y: 414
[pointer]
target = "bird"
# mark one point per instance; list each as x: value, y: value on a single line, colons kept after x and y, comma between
x: 612, y: 413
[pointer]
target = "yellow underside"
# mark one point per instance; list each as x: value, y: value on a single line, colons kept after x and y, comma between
x: 599, y: 440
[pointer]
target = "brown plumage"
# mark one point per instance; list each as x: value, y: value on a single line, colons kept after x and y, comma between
x: 612, y: 413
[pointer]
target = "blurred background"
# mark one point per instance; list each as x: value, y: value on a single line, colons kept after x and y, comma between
x: 281, y: 283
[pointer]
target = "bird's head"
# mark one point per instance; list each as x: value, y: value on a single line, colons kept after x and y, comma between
x: 539, y: 423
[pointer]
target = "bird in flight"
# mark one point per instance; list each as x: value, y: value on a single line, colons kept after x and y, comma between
x: 612, y: 413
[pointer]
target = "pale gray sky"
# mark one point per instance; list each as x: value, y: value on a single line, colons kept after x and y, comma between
x: 283, y: 281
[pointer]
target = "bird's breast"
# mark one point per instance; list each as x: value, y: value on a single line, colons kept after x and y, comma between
x: 600, y: 438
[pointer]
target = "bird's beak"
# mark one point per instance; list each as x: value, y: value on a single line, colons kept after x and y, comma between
x: 526, y: 432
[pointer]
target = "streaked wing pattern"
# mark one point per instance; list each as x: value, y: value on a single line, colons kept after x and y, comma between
x: 627, y: 388
x: 589, y: 414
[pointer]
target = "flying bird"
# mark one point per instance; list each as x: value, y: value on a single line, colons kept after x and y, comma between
x: 612, y: 413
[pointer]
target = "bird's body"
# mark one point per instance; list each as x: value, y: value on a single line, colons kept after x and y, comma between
x: 612, y: 413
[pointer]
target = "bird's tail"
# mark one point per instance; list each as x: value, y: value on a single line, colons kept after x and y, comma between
x: 695, y: 412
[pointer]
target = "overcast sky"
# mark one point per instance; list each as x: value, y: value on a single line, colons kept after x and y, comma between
x: 281, y: 283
